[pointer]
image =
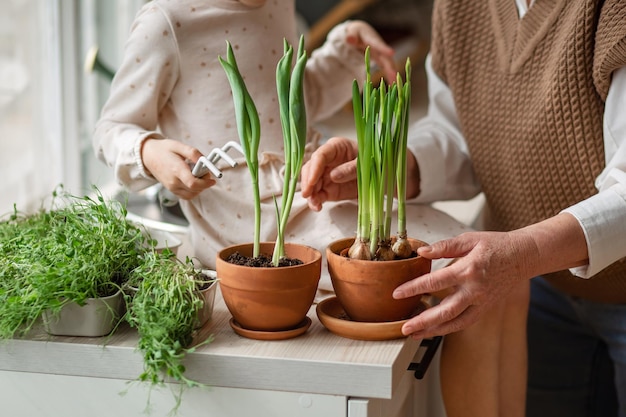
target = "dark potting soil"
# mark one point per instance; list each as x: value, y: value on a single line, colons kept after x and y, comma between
x: 204, y: 281
x: 261, y: 261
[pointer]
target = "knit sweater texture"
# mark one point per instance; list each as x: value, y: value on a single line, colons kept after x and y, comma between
x: 530, y: 98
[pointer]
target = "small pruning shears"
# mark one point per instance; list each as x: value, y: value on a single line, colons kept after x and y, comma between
x: 207, y: 163
x: 204, y: 165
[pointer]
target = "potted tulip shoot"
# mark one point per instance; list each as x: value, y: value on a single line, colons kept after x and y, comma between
x: 270, y: 300
x: 366, y: 269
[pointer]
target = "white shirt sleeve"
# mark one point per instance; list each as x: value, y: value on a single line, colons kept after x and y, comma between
x: 446, y: 171
x: 437, y: 143
x: 603, y: 216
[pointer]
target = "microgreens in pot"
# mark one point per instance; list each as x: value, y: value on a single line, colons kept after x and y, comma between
x: 164, y: 310
x: 74, y: 249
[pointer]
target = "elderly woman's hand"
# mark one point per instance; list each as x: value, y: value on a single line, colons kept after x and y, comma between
x: 487, y: 268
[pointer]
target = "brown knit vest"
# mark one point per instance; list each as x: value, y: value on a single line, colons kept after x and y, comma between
x: 530, y: 98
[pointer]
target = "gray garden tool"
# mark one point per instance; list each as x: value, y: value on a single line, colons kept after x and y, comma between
x: 207, y: 163
x: 204, y: 165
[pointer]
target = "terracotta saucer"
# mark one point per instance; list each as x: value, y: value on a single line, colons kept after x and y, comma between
x: 265, y: 335
x: 334, y: 318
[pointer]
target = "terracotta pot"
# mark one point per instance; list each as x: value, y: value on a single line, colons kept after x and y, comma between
x: 364, y: 288
x: 269, y: 299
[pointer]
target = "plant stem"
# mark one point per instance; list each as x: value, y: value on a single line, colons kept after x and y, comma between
x: 290, y: 88
x: 381, y: 121
x: 403, y: 121
x: 249, y: 129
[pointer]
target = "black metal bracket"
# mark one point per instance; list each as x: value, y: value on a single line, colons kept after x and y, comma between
x: 421, y: 367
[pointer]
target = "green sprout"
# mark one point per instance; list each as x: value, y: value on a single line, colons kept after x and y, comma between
x: 381, y: 118
x: 164, y: 310
x: 290, y: 88
x: 249, y: 129
x: 72, y: 250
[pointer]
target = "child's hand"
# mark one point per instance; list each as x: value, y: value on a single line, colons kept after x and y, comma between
x: 330, y: 174
x: 361, y: 35
x: 167, y: 161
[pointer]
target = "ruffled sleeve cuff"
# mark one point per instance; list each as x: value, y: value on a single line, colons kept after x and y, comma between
x: 131, y: 171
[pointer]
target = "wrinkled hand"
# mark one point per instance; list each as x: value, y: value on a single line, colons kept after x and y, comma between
x: 488, y: 266
x: 168, y: 161
x: 361, y: 35
x: 330, y: 174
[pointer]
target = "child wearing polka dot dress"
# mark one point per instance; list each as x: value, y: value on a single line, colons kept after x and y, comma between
x: 170, y: 103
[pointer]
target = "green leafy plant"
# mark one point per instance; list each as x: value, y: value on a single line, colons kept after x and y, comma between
x: 249, y: 129
x: 164, y: 310
x: 289, y: 85
x: 74, y: 249
x: 381, y: 117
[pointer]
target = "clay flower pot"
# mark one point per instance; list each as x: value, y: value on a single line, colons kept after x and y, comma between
x: 269, y: 299
x: 364, y: 288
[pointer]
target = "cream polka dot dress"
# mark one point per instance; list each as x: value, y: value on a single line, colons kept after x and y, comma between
x: 171, y: 85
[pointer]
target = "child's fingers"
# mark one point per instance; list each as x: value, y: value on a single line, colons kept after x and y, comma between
x: 187, y: 152
x: 387, y: 66
x: 378, y: 45
x: 188, y: 186
x: 361, y: 35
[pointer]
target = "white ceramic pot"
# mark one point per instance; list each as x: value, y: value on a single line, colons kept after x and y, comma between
x: 208, y: 297
x: 96, y: 318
